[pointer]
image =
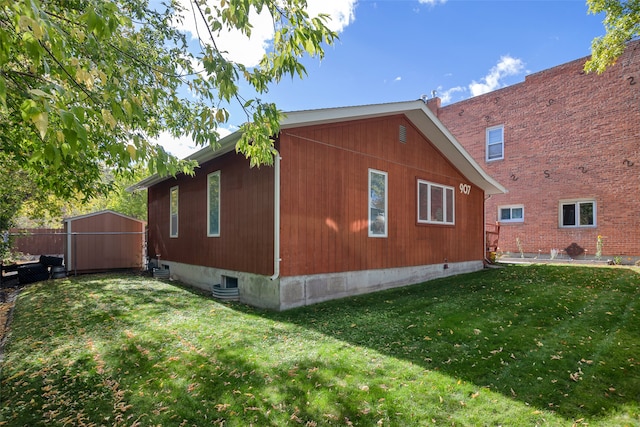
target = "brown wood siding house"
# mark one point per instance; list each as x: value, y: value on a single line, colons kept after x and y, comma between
x: 359, y: 199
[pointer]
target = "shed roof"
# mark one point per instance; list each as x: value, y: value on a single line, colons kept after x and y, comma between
x: 416, y: 111
x: 102, y: 212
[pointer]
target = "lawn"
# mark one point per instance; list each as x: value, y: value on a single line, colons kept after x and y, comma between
x: 516, y: 346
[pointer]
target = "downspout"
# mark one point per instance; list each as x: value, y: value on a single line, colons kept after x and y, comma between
x: 484, y: 233
x: 276, y: 217
x: 70, y: 252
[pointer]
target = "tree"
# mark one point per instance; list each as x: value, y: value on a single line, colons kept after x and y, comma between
x: 86, y: 85
x: 622, y: 24
x: 48, y: 211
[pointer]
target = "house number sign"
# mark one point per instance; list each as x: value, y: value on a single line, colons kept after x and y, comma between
x: 465, y: 189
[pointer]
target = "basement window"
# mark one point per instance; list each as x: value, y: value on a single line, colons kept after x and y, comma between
x: 229, y: 282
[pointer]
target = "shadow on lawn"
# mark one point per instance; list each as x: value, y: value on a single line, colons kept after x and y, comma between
x: 559, y: 338
x: 556, y: 338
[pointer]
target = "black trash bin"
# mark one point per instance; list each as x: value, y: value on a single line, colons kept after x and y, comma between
x: 35, y: 272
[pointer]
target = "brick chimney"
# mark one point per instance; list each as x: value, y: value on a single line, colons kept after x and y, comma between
x: 434, y: 105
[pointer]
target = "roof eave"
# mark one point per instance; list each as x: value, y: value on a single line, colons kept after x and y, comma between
x: 419, y: 114
x: 449, y: 146
x: 226, y: 145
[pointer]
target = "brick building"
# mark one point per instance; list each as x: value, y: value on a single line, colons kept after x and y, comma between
x: 567, y: 147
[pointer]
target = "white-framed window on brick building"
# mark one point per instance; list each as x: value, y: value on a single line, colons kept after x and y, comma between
x: 436, y: 203
x: 173, y: 212
x: 511, y: 213
x: 213, y: 204
x: 378, y: 203
x: 577, y: 213
x: 495, y: 143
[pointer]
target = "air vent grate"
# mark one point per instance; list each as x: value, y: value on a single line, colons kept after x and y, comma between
x: 403, y: 134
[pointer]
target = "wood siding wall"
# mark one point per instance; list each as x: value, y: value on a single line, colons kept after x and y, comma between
x: 246, y: 218
x: 324, y: 202
x: 104, y: 241
x: 38, y: 241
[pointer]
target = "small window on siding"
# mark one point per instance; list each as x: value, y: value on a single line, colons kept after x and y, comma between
x: 495, y: 143
x: 213, y: 204
x: 513, y: 213
x: 378, y: 217
x: 173, y: 212
x: 436, y: 203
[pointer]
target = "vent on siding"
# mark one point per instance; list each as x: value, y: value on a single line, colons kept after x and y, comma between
x: 403, y: 134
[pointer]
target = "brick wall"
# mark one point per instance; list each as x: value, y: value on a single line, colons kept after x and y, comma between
x: 567, y: 135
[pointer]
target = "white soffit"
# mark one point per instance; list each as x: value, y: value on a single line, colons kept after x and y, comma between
x: 416, y: 111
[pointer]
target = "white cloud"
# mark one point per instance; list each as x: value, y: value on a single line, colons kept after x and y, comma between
x: 447, y: 95
x: 342, y: 12
x: 239, y: 48
x: 248, y: 51
x: 397, y: 79
x: 432, y: 2
x: 507, y: 66
x: 183, y: 146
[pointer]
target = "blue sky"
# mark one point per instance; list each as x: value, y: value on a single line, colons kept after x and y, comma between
x: 398, y: 50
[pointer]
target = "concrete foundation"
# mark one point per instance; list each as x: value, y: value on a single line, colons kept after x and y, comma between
x: 288, y: 292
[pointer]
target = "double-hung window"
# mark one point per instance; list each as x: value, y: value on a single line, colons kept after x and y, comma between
x: 495, y: 143
x: 378, y: 217
x: 173, y: 212
x: 513, y: 213
x: 213, y: 204
x: 577, y: 213
x: 436, y: 203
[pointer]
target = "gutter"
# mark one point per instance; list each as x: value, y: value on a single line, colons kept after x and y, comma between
x: 70, y: 253
x: 487, y: 262
x: 276, y: 218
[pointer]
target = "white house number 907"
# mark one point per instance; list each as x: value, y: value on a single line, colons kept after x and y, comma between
x: 465, y: 189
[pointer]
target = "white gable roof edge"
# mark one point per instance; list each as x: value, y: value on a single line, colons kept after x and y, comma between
x: 416, y: 111
x: 89, y: 215
x: 422, y: 117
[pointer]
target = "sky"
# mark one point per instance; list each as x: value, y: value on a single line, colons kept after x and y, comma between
x: 400, y: 50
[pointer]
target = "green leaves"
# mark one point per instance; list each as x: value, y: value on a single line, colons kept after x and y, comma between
x: 33, y: 113
x: 622, y: 24
x: 257, y: 142
x: 87, y: 86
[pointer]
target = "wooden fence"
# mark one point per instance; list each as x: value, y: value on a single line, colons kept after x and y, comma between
x: 38, y: 241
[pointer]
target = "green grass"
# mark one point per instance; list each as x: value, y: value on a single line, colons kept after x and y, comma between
x: 518, y: 346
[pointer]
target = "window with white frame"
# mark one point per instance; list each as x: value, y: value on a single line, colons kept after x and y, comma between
x: 513, y: 213
x: 495, y: 143
x: 378, y: 217
x: 577, y: 213
x: 213, y: 204
x: 173, y: 212
x: 436, y: 203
